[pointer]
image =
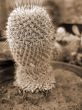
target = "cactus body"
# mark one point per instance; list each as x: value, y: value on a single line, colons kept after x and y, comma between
x: 30, y: 33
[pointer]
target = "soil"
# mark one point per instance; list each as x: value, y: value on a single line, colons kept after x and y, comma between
x: 67, y: 95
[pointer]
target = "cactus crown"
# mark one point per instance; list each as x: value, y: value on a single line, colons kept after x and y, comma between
x: 16, y: 3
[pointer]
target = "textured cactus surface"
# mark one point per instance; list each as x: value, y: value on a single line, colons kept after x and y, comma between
x: 30, y: 34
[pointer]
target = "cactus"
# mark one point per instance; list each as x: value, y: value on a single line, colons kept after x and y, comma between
x: 30, y: 34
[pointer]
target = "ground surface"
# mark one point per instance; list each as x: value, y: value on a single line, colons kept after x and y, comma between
x: 67, y: 95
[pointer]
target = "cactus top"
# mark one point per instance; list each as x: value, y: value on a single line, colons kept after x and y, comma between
x: 30, y: 32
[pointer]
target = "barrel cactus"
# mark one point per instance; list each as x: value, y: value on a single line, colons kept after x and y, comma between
x: 30, y: 34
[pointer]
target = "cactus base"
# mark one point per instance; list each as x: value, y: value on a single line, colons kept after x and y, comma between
x: 32, y: 83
